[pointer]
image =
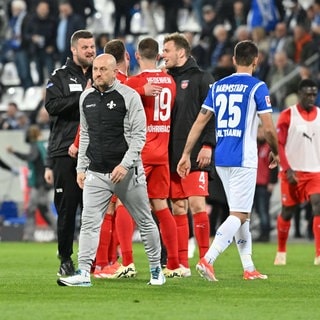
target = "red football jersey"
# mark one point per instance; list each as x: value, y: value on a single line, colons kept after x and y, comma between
x: 158, y: 114
x: 122, y: 77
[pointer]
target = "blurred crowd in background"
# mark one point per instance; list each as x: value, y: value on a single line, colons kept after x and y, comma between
x: 35, y: 40
x: 35, y: 35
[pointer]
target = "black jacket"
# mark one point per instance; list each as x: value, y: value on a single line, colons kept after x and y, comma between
x: 107, y: 145
x: 62, y: 103
x: 192, y: 88
x: 47, y: 28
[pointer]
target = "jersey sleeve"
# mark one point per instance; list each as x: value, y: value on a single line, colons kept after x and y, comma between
x: 282, y: 131
x: 262, y: 98
x: 136, y: 84
x: 208, y: 101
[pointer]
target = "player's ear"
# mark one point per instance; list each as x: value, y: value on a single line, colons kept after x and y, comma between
x: 234, y: 61
x: 127, y: 56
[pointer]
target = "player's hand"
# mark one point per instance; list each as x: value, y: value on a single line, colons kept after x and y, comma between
x: 184, y: 166
x: 73, y: 151
x: 204, y: 157
x: 81, y: 176
x: 274, y: 160
x: 118, y: 173
x: 151, y: 89
x: 291, y: 176
x: 48, y: 176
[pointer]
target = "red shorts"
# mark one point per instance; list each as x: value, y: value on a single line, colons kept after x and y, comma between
x: 158, y: 181
x: 308, y: 184
x: 195, y: 184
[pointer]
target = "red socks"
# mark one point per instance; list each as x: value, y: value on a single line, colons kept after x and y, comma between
x: 168, y: 230
x: 283, y: 231
x: 125, y: 228
x: 104, y: 242
x: 316, y: 234
x: 201, y: 231
x: 283, y: 228
x: 115, y: 229
x: 114, y: 242
x: 183, y: 238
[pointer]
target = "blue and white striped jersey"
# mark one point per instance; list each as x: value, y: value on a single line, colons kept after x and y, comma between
x: 236, y: 101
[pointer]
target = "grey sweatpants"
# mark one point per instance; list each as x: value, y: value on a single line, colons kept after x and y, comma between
x: 132, y: 191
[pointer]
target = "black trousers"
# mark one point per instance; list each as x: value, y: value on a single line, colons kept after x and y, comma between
x: 67, y: 200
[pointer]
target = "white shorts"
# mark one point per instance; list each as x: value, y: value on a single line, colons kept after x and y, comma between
x: 239, y: 185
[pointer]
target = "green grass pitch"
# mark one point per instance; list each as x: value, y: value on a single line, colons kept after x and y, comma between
x: 28, y: 288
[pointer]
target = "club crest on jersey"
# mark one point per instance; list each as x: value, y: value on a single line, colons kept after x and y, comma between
x: 111, y: 105
x: 268, y: 102
x: 184, y: 84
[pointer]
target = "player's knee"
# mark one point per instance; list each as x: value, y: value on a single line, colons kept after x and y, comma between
x: 287, y: 213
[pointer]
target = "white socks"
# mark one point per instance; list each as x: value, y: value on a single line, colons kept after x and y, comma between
x: 223, y: 238
x: 232, y: 228
x: 243, y: 241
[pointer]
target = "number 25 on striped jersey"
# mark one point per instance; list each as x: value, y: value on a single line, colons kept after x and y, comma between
x: 229, y: 112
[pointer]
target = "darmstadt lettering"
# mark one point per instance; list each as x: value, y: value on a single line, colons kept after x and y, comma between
x: 231, y: 88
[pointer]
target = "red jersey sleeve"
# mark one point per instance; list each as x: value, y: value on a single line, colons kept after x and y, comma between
x: 282, y: 130
x: 135, y: 84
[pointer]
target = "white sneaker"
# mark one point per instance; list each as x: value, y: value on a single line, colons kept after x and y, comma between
x: 186, y: 272
x: 317, y: 261
x: 280, y: 259
x: 157, y: 277
x: 81, y: 278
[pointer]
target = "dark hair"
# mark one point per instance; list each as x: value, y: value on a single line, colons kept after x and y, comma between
x: 180, y: 42
x: 13, y: 104
x: 117, y: 48
x: 148, y: 48
x: 306, y: 83
x: 245, y: 52
x: 80, y: 34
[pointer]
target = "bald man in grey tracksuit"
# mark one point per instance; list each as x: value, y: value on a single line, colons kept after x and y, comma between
x: 112, y: 135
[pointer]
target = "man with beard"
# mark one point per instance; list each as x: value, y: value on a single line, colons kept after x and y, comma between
x: 192, y: 86
x: 62, y: 103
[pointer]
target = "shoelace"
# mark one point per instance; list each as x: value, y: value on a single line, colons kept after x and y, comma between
x: 155, y: 272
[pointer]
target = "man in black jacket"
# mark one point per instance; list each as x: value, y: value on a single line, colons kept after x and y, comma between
x: 192, y: 87
x: 62, y: 103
